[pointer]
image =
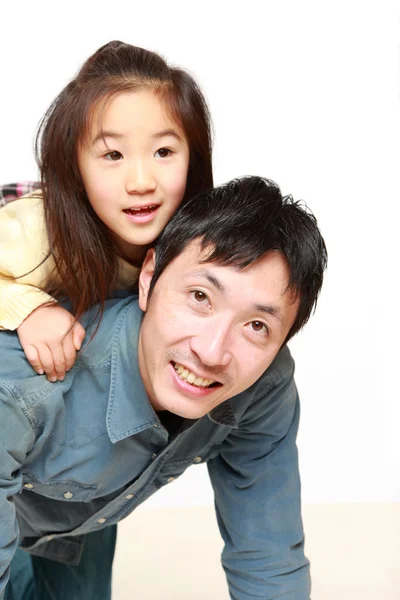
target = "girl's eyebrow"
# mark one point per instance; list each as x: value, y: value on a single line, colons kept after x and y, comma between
x: 110, y: 134
x: 166, y: 132
x: 118, y: 136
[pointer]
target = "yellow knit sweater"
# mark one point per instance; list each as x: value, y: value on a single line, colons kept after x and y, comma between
x: 23, y: 246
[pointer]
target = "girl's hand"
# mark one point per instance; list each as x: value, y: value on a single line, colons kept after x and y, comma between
x: 50, y: 338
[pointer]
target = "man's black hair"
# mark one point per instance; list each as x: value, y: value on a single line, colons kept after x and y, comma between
x: 241, y: 221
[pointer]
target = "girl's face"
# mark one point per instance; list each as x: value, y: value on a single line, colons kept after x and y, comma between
x: 134, y: 169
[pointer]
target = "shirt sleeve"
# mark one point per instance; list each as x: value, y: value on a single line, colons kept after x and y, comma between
x: 24, y: 256
x: 257, y: 498
x: 16, y: 439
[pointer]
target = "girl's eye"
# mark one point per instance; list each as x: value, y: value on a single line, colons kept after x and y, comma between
x: 163, y: 152
x: 113, y: 156
x: 259, y: 327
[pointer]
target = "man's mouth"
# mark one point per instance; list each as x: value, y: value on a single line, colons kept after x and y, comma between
x: 141, y: 210
x: 186, y: 375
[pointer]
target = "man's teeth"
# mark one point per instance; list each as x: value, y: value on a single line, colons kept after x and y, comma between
x: 190, y: 377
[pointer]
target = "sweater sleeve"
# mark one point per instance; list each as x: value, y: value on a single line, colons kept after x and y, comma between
x: 24, y: 256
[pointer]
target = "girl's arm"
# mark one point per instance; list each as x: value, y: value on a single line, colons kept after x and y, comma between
x: 49, y: 335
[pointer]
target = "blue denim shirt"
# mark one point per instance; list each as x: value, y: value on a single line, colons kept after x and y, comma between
x: 81, y: 454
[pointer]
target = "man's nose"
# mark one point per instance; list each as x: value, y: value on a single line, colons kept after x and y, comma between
x: 213, y: 345
x: 140, y: 178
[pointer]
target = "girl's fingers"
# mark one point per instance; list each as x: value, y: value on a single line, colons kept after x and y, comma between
x: 69, y: 351
x: 32, y: 355
x: 58, y: 362
x: 46, y: 359
x: 78, y: 333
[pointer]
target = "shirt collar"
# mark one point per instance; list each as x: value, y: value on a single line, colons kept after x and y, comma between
x: 223, y: 414
x: 129, y: 410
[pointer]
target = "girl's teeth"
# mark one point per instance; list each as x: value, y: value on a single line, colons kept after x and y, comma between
x: 150, y: 207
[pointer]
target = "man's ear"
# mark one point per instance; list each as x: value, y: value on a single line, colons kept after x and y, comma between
x: 145, y: 277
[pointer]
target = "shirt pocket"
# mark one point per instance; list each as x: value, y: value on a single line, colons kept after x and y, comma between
x: 172, y: 469
x: 66, y: 490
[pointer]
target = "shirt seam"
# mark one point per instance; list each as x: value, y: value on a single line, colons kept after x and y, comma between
x: 275, y: 380
x: 13, y: 391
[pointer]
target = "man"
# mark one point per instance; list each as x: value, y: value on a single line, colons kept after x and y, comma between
x: 205, y: 376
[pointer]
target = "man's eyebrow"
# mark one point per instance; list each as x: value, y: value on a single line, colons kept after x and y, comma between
x: 210, y: 278
x: 270, y: 309
x: 273, y: 311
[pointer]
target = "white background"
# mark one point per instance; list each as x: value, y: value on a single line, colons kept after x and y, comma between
x: 305, y: 93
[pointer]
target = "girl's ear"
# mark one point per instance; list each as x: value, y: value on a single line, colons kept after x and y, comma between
x: 145, y: 277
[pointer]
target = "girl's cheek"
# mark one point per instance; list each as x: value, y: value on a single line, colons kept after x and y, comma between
x: 177, y: 182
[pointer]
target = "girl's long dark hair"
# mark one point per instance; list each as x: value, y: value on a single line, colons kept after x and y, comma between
x: 83, y: 250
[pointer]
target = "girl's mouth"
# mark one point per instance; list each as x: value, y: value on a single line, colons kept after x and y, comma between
x: 141, y: 210
x: 142, y: 214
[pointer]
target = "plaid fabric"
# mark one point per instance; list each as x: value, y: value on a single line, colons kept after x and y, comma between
x: 11, y: 191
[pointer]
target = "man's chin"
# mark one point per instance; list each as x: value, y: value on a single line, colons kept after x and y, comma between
x: 186, y: 408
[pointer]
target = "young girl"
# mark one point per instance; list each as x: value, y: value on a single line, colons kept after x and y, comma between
x: 119, y: 149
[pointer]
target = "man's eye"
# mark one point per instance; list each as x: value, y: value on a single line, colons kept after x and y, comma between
x: 113, y: 156
x: 259, y: 327
x: 199, y: 296
x: 163, y: 152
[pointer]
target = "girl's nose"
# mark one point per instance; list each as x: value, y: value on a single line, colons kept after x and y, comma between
x: 140, y: 179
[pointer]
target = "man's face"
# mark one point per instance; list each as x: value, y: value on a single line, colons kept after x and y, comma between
x: 210, y: 331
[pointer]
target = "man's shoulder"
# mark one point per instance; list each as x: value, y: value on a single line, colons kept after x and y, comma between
x: 16, y: 371
x: 280, y: 371
x: 120, y: 315
x: 13, y: 362
x: 274, y: 391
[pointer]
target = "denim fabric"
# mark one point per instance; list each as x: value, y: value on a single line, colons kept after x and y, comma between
x: 34, y: 578
x: 79, y: 455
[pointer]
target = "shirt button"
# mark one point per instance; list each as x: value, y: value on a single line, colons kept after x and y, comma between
x: 171, y: 479
x: 197, y: 459
x: 28, y: 486
x: 153, y: 456
x: 102, y: 520
x: 129, y: 496
x: 68, y: 495
x: 155, y: 425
